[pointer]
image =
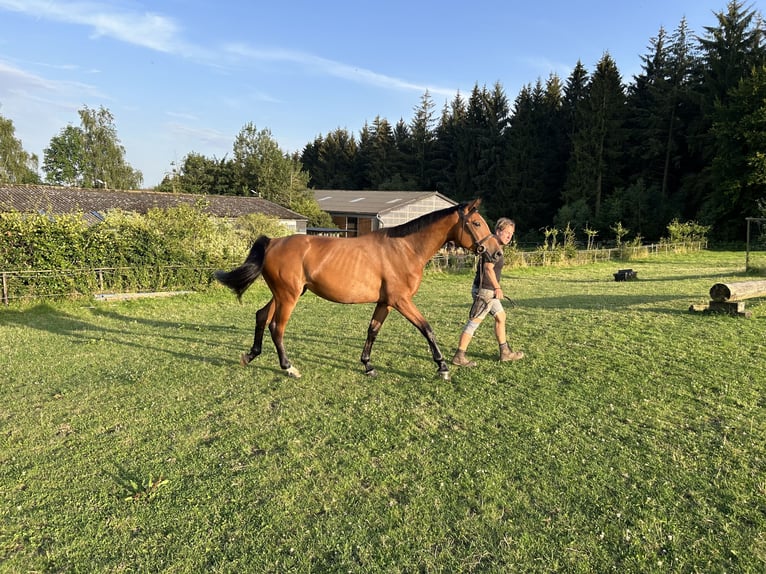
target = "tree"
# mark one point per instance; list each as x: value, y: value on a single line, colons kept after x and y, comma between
x: 492, y: 179
x: 330, y: 161
x: 598, y: 140
x: 739, y: 167
x: 64, y: 159
x: 90, y: 155
x: 16, y: 165
x: 384, y: 153
x: 451, y: 124
x: 480, y: 145
x: 260, y: 167
x: 658, y: 102
x: 422, y: 134
x: 201, y: 175
x: 575, y: 91
x: 536, y: 157
x: 732, y: 52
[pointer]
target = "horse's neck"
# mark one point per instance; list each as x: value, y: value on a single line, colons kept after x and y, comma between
x: 430, y: 239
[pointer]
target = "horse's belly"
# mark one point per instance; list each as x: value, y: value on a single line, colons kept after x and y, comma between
x: 343, y: 274
x: 345, y: 293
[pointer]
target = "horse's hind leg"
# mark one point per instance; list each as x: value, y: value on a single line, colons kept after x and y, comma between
x: 262, y: 318
x: 283, y: 309
x: 378, y: 316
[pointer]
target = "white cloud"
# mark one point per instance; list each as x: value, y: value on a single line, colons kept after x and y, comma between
x: 145, y: 29
x: 332, y: 68
x: 15, y: 82
x: 182, y: 116
x: 161, y: 33
x: 545, y: 67
x: 202, y: 135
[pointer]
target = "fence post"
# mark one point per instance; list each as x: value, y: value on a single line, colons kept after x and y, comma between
x: 5, y: 290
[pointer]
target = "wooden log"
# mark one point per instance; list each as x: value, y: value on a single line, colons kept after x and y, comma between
x: 737, y: 291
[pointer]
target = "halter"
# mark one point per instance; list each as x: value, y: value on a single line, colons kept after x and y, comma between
x: 477, y: 246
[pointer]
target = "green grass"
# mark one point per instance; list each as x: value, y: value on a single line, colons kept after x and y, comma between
x: 632, y: 437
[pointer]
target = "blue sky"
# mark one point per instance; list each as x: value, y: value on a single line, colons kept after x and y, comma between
x: 183, y: 76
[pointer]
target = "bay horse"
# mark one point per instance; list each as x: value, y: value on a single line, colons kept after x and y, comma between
x: 383, y: 267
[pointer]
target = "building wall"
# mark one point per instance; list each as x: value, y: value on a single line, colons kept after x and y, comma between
x: 294, y: 225
x: 363, y: 224
x: 413, y: 210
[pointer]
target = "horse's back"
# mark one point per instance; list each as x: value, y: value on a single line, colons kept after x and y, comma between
x: 344, y: 270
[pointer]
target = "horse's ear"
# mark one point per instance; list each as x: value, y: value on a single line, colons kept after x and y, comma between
x: 474, y: 205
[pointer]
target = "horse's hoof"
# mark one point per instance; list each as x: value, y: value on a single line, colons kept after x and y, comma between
x: 444, y: 375
x: 293, y: 373
x: 244, y: 359
x: 371, y: 373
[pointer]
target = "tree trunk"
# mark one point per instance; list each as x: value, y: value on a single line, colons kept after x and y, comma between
x: 738, y: 291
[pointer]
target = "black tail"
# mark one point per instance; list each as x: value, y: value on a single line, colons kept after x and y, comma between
x: 239, y: 279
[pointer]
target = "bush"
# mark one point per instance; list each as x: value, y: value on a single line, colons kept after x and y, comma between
x: 164, y: 249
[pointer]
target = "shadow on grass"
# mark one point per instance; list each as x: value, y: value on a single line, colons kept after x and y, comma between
x: 644, y: 302
x: 161, y: 324
x: 645, y: 278
x: 47, y: 318
x: 637, y: 302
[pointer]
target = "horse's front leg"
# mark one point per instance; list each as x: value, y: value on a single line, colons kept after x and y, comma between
x: 413, y: 315
x: 378, y: 316
x: 262, y: 318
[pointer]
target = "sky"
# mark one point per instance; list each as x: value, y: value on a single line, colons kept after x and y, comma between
x: 182, y: 76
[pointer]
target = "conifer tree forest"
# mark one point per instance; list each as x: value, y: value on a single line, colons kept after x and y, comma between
x: 684, y: 138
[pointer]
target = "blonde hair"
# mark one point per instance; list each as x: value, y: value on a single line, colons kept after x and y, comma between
x: 503, y: 223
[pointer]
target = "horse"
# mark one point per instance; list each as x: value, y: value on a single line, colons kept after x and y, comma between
x: 384, y: 267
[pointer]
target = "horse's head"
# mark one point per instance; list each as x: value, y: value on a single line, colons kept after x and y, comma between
x: 473, y: 232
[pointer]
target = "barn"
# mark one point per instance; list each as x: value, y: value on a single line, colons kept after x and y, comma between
x: 360, y: 212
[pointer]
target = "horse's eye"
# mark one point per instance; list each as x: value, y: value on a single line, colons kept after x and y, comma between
x: 477, y: 224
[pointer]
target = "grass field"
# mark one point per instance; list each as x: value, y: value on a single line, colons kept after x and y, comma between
x: 632, y: 437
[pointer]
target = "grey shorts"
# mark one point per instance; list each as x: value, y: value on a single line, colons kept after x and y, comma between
x: 484, y: 303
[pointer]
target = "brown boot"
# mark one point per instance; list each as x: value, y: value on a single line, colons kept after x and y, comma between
x: 507, y: 355
x: 461, y: 360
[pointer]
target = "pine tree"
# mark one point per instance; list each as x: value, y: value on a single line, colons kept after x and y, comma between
x: 364, y: 158
x: 730, y: 52
x: 450, y: 126
x: 310, y: 161
x: 335, y: 161
x: 657, y: 129
x: 492, y: 180
x: 423, y: 136
x: 382, y: 159
x: 598, y: 142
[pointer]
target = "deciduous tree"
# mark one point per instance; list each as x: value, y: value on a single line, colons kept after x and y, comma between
x: 90, y: 155
x: 16, y: 165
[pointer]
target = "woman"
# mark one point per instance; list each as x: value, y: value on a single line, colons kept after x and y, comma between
x: 487, y: 300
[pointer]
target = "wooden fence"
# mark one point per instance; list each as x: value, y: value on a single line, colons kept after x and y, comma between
x: 459, y: 260
x: 72, y: 283
x: 69, y: 283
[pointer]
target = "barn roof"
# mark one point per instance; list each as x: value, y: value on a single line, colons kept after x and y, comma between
x: 370, y: 202
x: 57, y: 200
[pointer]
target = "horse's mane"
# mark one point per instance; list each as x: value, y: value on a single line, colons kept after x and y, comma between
x: 419, y: 223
